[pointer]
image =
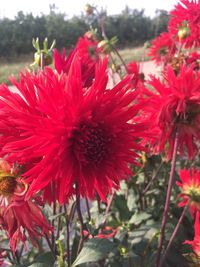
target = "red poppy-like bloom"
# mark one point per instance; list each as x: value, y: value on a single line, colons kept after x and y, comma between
x: 134, y: 68
x: 17, y: 216
x: 72, y: 135
x: 195, y: 243
x: 162, y: 48
x: 190, y: 189
x: 186, y: 18
x: 88, y: 53
x: 173, y: 107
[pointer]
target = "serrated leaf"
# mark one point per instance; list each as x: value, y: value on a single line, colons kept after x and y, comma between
x: 94, y: 250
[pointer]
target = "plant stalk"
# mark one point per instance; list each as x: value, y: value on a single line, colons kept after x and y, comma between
x: 167, y: 201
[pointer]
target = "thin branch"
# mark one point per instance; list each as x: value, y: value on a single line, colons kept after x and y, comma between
x: 153, y: 178
x: 88, y: 208
x: 174, y: 234
x: 78, y: 208
x: 110, y: 201
x: 167, y: 201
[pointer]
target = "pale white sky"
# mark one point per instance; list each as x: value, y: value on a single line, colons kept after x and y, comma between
x: 9, y: 8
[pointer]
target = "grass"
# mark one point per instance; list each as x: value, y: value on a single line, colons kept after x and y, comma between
x: 134, y: 54
x: 8, y: 68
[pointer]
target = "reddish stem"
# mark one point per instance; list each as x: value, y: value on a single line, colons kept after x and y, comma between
x: 174, y: 234
x: 167, y: 201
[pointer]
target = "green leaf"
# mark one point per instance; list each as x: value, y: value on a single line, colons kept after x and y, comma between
x: 39, y: 264
x: 54, y: 217
x: 94, y: 250
x: 138, y: 218
x: 45, y: 258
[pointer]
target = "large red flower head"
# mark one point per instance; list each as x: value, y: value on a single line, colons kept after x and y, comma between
x: 173, y: 107
x: 72, y: 135
x: 190, y: 189
x: 162, y: 48
x: 185, y: 22
x: 17, y: 216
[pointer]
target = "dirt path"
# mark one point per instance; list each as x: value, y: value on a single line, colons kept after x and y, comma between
x: 149, y: 67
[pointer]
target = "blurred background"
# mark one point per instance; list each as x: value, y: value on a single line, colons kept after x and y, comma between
x: 133, y: 22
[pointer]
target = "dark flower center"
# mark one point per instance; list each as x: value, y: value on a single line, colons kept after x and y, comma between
x: 7, y: 185
x: 91, y: 144
x: 189, y: 116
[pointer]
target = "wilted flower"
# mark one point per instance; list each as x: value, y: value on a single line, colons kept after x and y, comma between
x: 17, y: 216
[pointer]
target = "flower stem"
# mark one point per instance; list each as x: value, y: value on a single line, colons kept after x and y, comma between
x: 167, y: 201
x: 120, y: 57
x: 153, y: 178
x: 108, y: 208
x: 88, y: 208
x: 78, y: 208
x: 42, y: 61
x: 50, y: 246
x: 68, y: 234
x: 174, y: 234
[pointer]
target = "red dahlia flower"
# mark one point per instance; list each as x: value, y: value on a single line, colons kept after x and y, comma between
x: 74, y: 135
x: 162, y: 48
x: 17, y: 216
x: 195, y: 243
x: 138, y: 77
x: 88, y: 53
x: 174, y: 107
x: 194, y: 58
x: 185, y: 19
x: 190, y: 189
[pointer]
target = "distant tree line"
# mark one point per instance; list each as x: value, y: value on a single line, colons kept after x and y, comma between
x: 132, y: 27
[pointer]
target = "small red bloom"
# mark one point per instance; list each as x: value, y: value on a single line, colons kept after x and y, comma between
x: 195, y: 243
x: 162, y: 48
x: 88, y: 54
x: 186, y: 18
x: 17, y: 216
x: 134, y: 68
x: 173, y: 107
x: 70, y: 134
x: 190, y: 189
x: 194, y: 58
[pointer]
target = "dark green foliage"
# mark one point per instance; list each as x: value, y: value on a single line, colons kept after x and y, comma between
x: 131, y: 27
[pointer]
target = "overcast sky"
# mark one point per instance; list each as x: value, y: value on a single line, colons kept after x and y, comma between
x: 9, y: 8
